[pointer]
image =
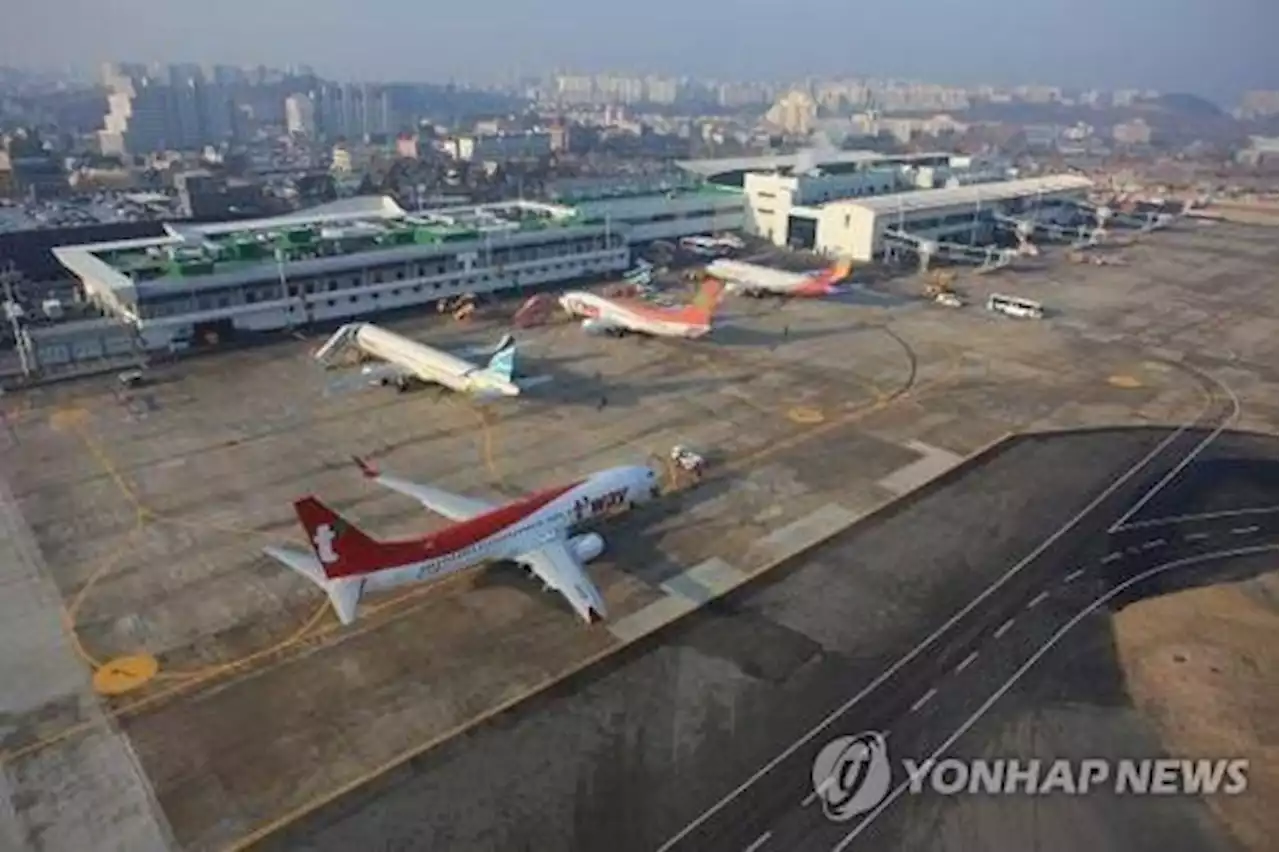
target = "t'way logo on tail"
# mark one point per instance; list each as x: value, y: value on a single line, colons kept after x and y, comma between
x: 323, y: 539
x: 341, y: 548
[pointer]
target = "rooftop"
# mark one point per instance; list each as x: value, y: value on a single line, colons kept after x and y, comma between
x: 348, y: 227
x: 932, y: 199
x: 776, y: 162
x: 587, y: 190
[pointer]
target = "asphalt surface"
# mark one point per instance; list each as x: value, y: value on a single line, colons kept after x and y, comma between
x: 1046, y: 683
x: 703, y: 736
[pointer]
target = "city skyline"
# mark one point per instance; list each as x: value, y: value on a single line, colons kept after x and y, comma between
x: 1180, y: 45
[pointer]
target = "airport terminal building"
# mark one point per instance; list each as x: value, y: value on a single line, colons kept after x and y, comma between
x: 861, y: 204
x: 864, y: 228
x: 343, y: 260
x: 203, y: 283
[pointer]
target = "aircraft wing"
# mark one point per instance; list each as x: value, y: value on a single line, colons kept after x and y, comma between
x: 559, y: 569
x: 455, y: 507
x: 602, y: 325
x: 367, y: 375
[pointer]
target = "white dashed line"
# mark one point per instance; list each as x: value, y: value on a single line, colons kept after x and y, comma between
x: 1111, y: 557
x: 1244, y: 530
x: 1203, y: 516
x: 1073, y: 575
x: 1037, y: 600
x: 759, y: 841
x: 942, y: 629
x: 1004, y: 628
x: 966, y: 662
x: 897, y: 792
x: 1196, y: 536
x: 1155, y: 542
x: 924, y: 699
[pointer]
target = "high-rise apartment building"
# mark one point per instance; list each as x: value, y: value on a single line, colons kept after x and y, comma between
x: 174, y: 109
x: 352, y: 111
x: 300, y: 115
x: 793, y: 113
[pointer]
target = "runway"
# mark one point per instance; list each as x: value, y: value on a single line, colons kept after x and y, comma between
x: 1203, y: 512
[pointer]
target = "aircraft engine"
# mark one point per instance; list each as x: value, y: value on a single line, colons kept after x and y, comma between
x: 586, y: 546
x: 595, y: 326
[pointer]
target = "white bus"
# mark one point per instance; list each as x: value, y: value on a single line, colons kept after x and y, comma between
x: 1012, y: 306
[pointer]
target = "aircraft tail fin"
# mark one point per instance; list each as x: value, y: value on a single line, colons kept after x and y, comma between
x: 708, y: 297
x: 340, y: 547
x: 344, y: 593
x: 503, y: 362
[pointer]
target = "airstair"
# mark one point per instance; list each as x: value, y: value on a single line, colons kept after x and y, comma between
x: 337, y: 341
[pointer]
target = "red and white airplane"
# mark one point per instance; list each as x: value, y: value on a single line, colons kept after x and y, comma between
x: 750, y: 279
x: 534, y: 531
x: 605, y: 315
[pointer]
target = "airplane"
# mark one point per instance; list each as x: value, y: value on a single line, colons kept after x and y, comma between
x: 534, y: 531
x: 604, y: 315
x: 406, y: 361
x: 712, y: 246
x: 750, y: 279
x: 702, y: 246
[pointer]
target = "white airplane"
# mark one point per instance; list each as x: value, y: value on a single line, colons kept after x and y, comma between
x: 534, y: 531
x: 712, y: 246
x: 405, y: 361
x: 750, y: 279
x: 605, y: 315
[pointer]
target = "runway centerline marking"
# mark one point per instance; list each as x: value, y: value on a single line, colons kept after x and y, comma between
x: 1111, y: 557
x: 928, y: 640
x: 924, y: 699
x: 1155, y: 542
x: 1202, y: 516
x: 1037, y: 600
x: 1039, y: 654
x: 1074, y: 575
x: 1196, y: 536
x: 758, y: 842
x: 1244, y: 530
x: 1004, y: 628
x: 966, y: 662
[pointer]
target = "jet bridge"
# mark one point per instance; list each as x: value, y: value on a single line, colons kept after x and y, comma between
x: 985, y: 257
x: 1024, y: 227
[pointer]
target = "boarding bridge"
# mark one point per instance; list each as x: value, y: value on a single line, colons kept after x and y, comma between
x: 1079, y: 236
x: 1025, y: 228
x: 986, y: 257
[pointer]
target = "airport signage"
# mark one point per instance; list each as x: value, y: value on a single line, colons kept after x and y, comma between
x: 853, y: 775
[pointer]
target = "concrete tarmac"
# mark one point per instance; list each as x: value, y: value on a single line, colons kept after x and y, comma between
x: 628, y: 754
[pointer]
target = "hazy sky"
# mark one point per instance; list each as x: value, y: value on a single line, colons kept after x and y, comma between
x: 1211, y: 47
